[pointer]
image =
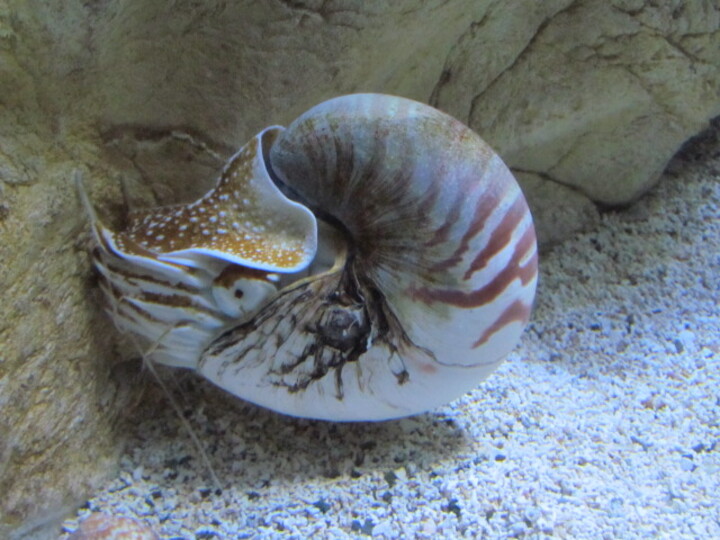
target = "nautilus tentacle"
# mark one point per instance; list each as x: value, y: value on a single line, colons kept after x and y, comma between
x: 416, y: 275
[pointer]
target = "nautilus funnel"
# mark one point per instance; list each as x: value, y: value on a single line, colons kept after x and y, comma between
x: 418, y: 272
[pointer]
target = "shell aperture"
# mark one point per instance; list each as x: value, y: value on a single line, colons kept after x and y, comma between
x: 417, y: 276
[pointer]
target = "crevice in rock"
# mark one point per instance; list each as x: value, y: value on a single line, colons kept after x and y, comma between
x: 546, y: 176
x: 519, y: 58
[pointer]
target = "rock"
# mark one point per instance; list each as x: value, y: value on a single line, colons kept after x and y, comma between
x: 596, y: 95
x: 586, y: 99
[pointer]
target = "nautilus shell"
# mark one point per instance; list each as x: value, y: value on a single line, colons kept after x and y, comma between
x: 374, y: 260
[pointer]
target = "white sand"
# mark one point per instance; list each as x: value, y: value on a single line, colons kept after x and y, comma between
x: 604, y: 423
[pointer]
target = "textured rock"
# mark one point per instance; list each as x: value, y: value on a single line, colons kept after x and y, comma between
x: 596, y: 95
x: 587, y: 100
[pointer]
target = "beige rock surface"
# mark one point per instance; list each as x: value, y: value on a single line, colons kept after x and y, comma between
x: 588, y: 99
x: 593, y: 95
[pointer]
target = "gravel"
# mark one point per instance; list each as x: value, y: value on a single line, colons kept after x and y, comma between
x: 603, y: 423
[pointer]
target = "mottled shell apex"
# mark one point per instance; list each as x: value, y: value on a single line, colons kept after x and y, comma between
x: 373, y: 260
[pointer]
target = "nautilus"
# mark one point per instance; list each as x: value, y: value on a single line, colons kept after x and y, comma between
x: 373, y: 260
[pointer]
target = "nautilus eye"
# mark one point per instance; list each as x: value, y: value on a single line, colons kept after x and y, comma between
x: 374, y: 260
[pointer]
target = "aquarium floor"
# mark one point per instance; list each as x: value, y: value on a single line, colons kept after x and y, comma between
x: 604, y: 422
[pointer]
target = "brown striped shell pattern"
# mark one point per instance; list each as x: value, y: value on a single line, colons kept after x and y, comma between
x: 374, y: 260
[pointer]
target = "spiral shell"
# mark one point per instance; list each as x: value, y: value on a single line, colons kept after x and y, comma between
x: 373, y: 260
